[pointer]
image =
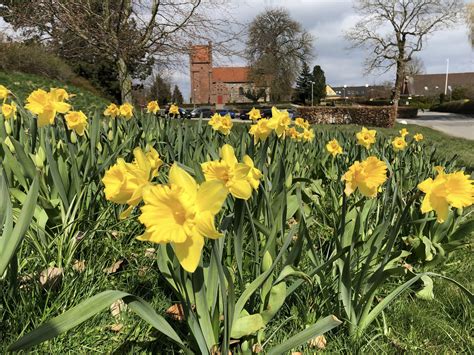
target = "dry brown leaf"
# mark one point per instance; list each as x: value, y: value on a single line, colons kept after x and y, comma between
x: 257, y: 348
x: 296, y: 353
x: 150, y: 253
x: 318, y: 342
x: 114, y: 267
x: 176, y: 312
x: 79, y: 265
x: 117, y: 327
x: 115, y: 234
x: 117, y: 307
x: 50, y: 277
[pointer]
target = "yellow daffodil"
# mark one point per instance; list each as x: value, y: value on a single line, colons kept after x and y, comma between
x: 260, y: 131
x: 124, y: 182
x: 367, y: 176
x: 333, y: 147
x: 47, y: 104
x: 399, y: 144
x: 3, y: 92
x: 301, y: 122
x: 455, y: 189
x: 222, y: 124
x: 254, y: 114
x: 9, y: 110
x: 403, y: 132
x: 418, y: 137
x: 126, y: 110
x: 366, y: 137
x: 182, y: 213
x: 112, y: 111
x: 233, y: 174
x: 279, y: 122
x: 174, y: 110
x: 152, y: 107
x: 292, y: 133
x: 255, y: 174
x: 308, y: 135
x: 77, y: 121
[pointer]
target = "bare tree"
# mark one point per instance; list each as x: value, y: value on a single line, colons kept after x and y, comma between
x: 122, y: 31
x: 415, y: 66
x: 394, y: 30
x: 276, y: 47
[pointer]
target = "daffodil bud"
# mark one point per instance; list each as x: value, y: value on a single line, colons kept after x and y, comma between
x: 99, y: 147
x: 289, y: 180
x: 60, y: 144
x: 110, y: 135
x: 110, y: 124
x: 8, y: 128
x: 38, y: 161
x: 9, y: 144
x: 143, y: 135
x: 73, y: 137
x: 267, y: 261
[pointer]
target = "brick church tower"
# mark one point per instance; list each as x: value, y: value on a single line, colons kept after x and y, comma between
x: 201, y: 71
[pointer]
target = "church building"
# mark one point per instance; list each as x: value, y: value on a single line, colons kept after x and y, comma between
x: 218, y: 85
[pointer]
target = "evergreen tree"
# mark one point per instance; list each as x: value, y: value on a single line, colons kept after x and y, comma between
x: 160, y: 90
x: 303, y: 85
x: 319, y: 84
x: 177, y: 97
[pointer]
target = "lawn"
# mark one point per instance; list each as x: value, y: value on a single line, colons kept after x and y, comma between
x: 95, y: 250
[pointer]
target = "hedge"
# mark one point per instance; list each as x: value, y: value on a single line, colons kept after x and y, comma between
x: 460, y: 106
x: 378, y: 116
x: 407, y: 112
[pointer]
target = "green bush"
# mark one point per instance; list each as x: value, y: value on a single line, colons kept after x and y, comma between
x: 459, y: 106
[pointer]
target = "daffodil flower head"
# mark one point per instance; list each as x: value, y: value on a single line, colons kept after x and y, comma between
x: 366, y: 176
x: 174, y: 110
x: 280, y: 121
x: 182, y: 213
x: 126, y: 110
x: 47, y: 104
x: 9, y: 110
x: 301, y: 122
x: 254, y: 114
x: 445, y: 190
x: 3, y: 92
x: 260, y: 131
x: 233, y: 174
x: 334, y: 148
x: 366, y: 137
x: 152, y: 107
x: 308, y: 135
x: 112, y: 111
x: 76, y: 121
x: 418, y: 137
x: 399, y: 143
x: 403, y: 132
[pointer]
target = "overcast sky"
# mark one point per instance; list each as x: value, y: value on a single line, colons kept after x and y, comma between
x: 327, y: 20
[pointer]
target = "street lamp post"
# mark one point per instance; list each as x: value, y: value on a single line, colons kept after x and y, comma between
x: 312, y: 93
x: 345, y: 99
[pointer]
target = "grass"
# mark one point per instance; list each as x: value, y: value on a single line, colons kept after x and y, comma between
x: 22, y: 85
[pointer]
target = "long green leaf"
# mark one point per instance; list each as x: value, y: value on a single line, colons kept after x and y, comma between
x: 9, y: 243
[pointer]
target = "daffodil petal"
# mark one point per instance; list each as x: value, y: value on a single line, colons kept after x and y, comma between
x: 189, y: 252
x: 205, y: 225
x: 211, y: 195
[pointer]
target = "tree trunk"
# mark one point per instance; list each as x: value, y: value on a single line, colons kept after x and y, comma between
x: 400, y: 77
x: 125, y: 80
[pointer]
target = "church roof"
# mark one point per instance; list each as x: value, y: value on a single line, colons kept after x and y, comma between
x: 230, y: 74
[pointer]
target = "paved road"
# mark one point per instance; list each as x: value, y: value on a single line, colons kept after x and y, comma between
x: 449, y: 123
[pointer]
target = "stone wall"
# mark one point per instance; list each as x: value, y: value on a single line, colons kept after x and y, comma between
x: 378, y: 116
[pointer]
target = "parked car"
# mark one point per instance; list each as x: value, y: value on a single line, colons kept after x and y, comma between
x: 224, y: 112
x: 206, y: 112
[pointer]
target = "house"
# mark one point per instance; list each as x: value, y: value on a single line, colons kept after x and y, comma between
x: 218, y: 85
x: 435, y: 84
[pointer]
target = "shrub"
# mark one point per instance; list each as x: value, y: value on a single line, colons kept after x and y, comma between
x: 35, y: 59
x: 460, y: 106
x: 379, y: 116
x: 407, y: 112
